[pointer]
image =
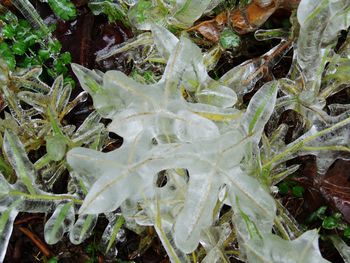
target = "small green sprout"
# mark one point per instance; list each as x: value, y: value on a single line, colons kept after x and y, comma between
x: 229, y: 39
x: 346, y: 233
x: 24, y: 47
x: 298, y: 191
x: 286, y: 187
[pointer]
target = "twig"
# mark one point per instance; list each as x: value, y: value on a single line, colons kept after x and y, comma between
x: 27, y: 219
x: 37, y: 241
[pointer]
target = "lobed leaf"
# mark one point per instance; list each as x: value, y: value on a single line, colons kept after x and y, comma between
x: 272, y: 248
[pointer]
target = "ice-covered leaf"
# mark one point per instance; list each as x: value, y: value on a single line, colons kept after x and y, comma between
x: 89, y: 130
x: 17, y: 156
x: 198, y: 209
x: 260, y: 109
x: 57, y: 97
x: 320, y: 23
x: 217, y: 147
x: 272, y: 248
x: 328, y: 138
x: 188, y: 11
x: 250, y: 200
x: 212, y: 240
x: 179, y: 13
x: 7, y: 217
x: 82, y: 228
x: 212, y: 93
x: 109, y: 190
x: 137, y: 169
x: 113, y: 10
x: 186, y: 139
x: 60, y: 94
x: 4, y: 187
x: 59, y: 223
x: 113, y: 232
x: 342, y: 247
x: 36, y: 100
x: 242, y: 78
x: 158, y: 108
x: 165, y: 41
x: 56, y: 147
x: 145, y: 12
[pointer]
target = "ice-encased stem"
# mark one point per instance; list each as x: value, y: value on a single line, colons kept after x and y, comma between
x: 29, y: 12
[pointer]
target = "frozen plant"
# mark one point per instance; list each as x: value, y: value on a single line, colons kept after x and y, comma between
x: 187, y: 130
x: 217, y: 145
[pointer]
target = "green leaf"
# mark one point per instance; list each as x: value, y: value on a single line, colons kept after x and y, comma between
x: 347, y: 232
x: 24, y: 24
x: 31, y: 39
x: 19, y: 48
x: 10, y: 60
x: 53, y: 260
x: 283, y: 188
x: 117, y: 226
x: 330, y: 222
x: 9, y: 17
x: 55, y: 46
x: 7, y: 54
x: 9, y: 31
x: 64, y: 9
x: 318, y: 214
x: 56, y: 146
x: 144, y: 11
x: 69, y: 81
x: 29, y: 62
x: 229, y: 39
x: 59, y: 67
x: 298, y: 191
x: 65, y: 58
x: 44, y: 54
x: 114, y: 11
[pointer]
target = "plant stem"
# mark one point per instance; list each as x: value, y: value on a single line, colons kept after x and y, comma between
x: 46, y: 197
x: 297, y: 146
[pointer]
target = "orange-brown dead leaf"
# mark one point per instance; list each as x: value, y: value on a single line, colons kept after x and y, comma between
x: 251, y: 17
x: 242, y: 20
x: 211, y: 29
x: 7, y: 3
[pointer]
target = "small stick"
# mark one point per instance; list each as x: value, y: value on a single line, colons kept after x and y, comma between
x: 27, y: 219
x: 37, y: 241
